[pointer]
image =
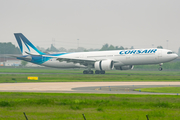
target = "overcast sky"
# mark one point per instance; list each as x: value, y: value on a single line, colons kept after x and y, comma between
x: 138, y: 23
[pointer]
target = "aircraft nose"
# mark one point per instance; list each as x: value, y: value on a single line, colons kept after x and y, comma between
x: 176, y: 56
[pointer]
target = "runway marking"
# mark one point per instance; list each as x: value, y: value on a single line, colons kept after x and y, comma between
x: 97, y: 89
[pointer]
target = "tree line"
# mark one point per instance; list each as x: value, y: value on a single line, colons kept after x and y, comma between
x: 9, y: 48
x: 82, y: 49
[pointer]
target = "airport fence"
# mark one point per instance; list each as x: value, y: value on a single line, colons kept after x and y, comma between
x: 82, y: 115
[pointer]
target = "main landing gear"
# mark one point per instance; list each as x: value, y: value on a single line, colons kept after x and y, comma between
x: 92, y: 72
x: 88, y: 72
x: 100, y: 72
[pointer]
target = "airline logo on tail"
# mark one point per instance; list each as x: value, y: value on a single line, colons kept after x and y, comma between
x: 30, y: 47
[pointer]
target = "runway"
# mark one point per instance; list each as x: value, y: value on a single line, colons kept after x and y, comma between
x: 85, y: 87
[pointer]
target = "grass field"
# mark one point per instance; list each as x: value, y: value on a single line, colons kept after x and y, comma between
x: 54, y: 70
x: 160, y: 89
x: 59, y: 106
x: 77, y: 76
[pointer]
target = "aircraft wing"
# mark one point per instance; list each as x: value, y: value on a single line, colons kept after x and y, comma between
x: 78, y: 60
x: 81, y: 61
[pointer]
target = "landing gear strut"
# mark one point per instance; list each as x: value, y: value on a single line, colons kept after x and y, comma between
x: 160, y: 68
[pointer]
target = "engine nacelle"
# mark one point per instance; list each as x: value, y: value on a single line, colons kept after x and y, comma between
x: 125, y: 67
x: 104, y: 65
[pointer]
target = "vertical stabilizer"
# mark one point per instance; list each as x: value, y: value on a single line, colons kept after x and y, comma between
x: 26, y: 46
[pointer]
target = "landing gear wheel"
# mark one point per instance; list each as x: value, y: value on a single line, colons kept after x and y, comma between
x: 102, y: 72
x: 91, y: 72
x: 88, y: 72
x: 160, y: 69
x: 85, y: 72
x: 97, y: 71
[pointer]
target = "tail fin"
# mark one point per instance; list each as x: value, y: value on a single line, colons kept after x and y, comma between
x: 26, y: 46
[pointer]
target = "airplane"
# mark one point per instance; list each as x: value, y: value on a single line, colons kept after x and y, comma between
x: 98, y: 60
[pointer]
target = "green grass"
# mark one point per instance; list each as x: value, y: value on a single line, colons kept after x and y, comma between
x: 54, y: 70
x: 61, y: 106
x: 6, y: 78
x: 36, y: 70
x: 160, y: 89
x: 75, y: 75
x: 55, y: 106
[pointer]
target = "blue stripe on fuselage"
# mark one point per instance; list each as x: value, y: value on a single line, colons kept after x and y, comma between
x: 39, y: 59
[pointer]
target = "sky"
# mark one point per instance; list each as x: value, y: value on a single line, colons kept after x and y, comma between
x: 92, y: 23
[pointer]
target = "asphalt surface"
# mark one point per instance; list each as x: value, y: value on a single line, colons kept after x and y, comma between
x: 86, y: 87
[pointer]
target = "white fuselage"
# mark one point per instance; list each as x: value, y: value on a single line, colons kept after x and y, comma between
x: 99, y: 60
x: 120, y: 57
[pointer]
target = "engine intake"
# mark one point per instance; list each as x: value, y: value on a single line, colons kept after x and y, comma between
x: 104, y: 65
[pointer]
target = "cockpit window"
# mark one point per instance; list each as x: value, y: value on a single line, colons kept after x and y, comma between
x: 170, y: 52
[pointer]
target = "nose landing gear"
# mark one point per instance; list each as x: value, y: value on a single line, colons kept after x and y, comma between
x: 160, y: 68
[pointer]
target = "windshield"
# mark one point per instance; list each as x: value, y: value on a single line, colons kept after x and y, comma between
x: 170, y: 52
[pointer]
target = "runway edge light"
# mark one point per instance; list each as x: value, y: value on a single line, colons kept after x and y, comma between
x: 32, y: 78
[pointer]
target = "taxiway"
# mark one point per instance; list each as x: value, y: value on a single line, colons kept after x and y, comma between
x: 85, y: 87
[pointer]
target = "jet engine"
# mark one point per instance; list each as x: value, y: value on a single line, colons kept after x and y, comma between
x: 104, y: 65
x: 125, y: 67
